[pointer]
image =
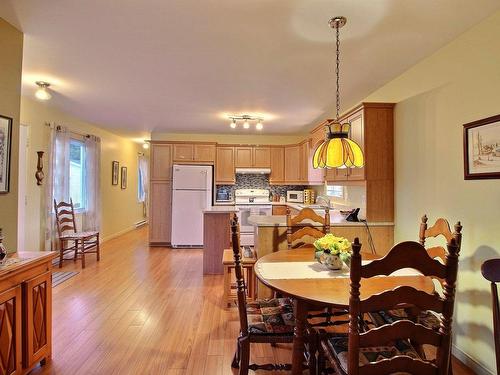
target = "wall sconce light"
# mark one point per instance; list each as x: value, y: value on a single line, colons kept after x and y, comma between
x: 42, y: 93
x: 145, y: 145
x: 39, y: 175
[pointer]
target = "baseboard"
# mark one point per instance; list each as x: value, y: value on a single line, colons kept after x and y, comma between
x: 470, y: 362
x: 118, y: 234
x: 141, y: 223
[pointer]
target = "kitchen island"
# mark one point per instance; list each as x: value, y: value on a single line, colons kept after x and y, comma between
x: 26, y: 311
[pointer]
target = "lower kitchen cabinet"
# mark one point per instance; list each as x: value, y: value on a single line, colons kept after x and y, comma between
x: 26, y: 312
x: 160, y: 212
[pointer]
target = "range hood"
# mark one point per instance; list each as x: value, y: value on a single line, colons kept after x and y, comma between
x: 253, y: 170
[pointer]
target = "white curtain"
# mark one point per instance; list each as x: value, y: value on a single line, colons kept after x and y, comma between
x: 57, y: 179
x: 143, y: 170
x: 91, y: 217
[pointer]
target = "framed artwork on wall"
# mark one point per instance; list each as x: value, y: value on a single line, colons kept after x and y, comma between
x: 5, y: 144
x: 115, y: 172
x: 482, y: 149
x: 124, y: 178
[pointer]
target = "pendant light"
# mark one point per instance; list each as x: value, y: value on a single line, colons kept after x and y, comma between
x: 337, y: 150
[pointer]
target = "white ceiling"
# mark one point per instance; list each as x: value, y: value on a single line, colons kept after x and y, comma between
x: 179, y: 65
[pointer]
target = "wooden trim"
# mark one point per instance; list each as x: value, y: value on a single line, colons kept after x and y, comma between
x: 180, y: 142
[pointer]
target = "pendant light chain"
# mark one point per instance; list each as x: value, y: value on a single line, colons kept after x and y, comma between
x: 337, y: 70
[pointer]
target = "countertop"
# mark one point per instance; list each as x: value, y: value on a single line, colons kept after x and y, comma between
x: 220, y: 209
x: 336, y: 219
x: 19, y: 260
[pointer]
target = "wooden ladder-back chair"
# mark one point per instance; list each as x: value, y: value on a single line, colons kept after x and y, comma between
x: 305, y: 220
x: 388, y: 349
x: 491, y: 272
x: 80, y: 243
x: 261, y: 321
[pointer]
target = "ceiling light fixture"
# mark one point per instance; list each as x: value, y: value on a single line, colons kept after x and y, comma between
x: 337, y: 150
x: 42, y: 93
x: 247, y: 119
x: 145, y: 145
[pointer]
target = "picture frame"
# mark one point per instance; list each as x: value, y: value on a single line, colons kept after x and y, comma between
x: 115, y: 172
x: 123, y: 184
x: 482, y: 149
x: 5, y: 149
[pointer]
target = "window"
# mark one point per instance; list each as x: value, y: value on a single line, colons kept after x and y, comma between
x: 77, y: 174
x: 336, y: 191
x: 141, y: 194
x: 142, y: 180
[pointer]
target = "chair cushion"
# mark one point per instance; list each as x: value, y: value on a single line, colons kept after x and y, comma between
x: 79, y: 235
x: 427, y: 318
x: 271, y: 316
x: 338, y: 345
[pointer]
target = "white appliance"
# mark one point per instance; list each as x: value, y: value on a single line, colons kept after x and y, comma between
x: 251, y: 202
x: 191, y: 194
x: 295, y: 196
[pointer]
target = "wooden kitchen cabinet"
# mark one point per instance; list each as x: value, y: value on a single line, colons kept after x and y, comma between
x: 293, y: 160
x: 204, y: 153
x: 161, y: 162
x: 183, y: 152
x: 160, y: 215
x: 10, y: 331
x: 243, y: 156
x: 224, y: 166
x: 262, y: 157
x: 277, y: 165
x: 38, y: 318
x: 279, y: 209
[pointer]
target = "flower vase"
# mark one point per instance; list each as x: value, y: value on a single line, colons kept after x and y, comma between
x: 331, y: 261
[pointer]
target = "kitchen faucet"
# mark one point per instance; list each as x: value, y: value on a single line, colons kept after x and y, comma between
x: 325, y: 200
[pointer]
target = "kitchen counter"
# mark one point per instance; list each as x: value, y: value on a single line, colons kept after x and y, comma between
x: 336, y: 219
x: 221, y: 209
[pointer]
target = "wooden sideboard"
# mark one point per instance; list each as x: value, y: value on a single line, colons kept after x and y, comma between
x: 25, y: 311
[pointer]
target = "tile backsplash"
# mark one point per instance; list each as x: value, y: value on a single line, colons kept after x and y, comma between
x: 258, y: 181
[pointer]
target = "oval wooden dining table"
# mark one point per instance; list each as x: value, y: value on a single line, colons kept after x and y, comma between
x: 313, y: 293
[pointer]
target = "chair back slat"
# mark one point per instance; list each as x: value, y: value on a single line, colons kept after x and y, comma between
x: 65, y: 218
x: 406, y: 254
x: 491, y: 272
x: 440, y: 228
x: 406, y: 295
x: 238, y: 271
x: 412, y: 331
x: 305, y: 220
x: 407, y: 364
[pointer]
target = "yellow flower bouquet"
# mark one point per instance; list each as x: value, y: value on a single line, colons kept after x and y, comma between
x: 333, y: 251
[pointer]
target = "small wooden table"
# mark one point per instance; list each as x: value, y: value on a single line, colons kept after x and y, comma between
x: 312, y: 294
x: 248, y: 274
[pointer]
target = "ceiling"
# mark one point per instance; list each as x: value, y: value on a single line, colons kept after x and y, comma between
x: 180, y: 65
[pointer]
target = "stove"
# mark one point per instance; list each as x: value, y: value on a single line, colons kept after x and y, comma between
x: 251, y: 202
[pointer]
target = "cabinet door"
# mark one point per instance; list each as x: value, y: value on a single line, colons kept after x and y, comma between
x: 357, y: 135
x: 315, y: 176
x: 161, y: 162
x: 244, y: 157
x: 337, y: 174
x: 38, y: 318
x: 204, y: 153
x: 262, y: 157
x: 277, y: 165
x: 224, y: 166
x: 304, y: 157
x: 160, y: 212
x: 279, y: 210
x: 183, y: 152
x: 10, y: 331
x: 292, y: 164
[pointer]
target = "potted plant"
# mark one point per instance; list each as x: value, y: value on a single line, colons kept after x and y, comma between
x: 333, y: 251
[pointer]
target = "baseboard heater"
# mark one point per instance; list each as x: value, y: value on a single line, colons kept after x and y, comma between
x: 140, y: 223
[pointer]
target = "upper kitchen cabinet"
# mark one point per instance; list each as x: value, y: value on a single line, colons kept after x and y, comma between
x: 161, y: 162
x: 277, y: 154
x: 262, y: 157
x: 225, y: 165
x: 310, y: 175
x: 252, y: 157
x: 194, y: 152
x: 293, y: 170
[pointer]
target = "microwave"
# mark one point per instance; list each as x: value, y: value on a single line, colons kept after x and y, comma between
x: 295, y: 196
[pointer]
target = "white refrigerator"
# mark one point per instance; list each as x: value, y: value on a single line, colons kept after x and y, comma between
x: 192, y: 193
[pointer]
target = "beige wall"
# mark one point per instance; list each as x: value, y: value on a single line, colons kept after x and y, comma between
x: 11, y: 61
x: 458, y: 84
x: 231, y: 138
x: 120, y: 208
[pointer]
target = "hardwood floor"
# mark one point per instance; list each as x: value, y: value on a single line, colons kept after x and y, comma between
x: 144, y: 310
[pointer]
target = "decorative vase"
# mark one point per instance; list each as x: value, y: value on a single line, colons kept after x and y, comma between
x: 331, y: 261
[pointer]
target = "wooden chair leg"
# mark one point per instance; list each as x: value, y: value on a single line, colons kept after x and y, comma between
x: 83, y: 254
x: 76, y: 250
x: 61, y: 253
x: 98, y: 249
x: 236, y: 357
x: 244, y: 356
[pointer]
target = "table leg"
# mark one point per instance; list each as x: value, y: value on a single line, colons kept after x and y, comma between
x: 301, y: 310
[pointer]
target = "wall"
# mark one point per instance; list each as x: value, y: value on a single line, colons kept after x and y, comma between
x: 11, y: 61
x: 120, y: 208
x: 252, y: 138
x: 458, y: 84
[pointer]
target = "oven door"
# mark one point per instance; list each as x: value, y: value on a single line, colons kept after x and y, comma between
x: 247, y: 229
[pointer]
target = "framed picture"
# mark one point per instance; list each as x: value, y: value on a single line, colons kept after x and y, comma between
x: 482, y: 149
x: 124, y: 178
x: 115, y: 172
x: 5, y: 143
